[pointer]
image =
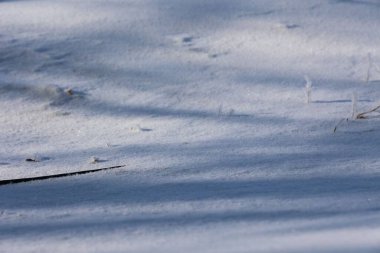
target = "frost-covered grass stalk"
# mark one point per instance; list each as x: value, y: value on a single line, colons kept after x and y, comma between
x: 377, y: 67
x: 308, y: 87
x: 220, y: 110
x: 354, y: 101
x: 370, y: 64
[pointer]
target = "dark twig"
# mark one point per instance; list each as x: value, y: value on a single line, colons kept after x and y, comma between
x: 28, y: 179
x: 363, y: 115
x: 339, y: 123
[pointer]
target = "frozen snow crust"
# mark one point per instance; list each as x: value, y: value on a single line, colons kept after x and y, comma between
x: 204, y: 102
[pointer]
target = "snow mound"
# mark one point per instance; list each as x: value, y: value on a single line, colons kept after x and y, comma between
x: 53, y: 94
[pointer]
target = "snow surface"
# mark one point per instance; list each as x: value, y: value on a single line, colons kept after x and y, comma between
x: 204, y: 102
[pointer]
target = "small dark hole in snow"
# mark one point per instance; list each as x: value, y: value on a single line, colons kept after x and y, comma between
x: 69, y: 92
x: 37, y: 159
x: 292, y: 26
x: 31, y: 160
x: 187, y: 39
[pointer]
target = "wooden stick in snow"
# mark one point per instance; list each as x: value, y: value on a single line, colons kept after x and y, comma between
x: 29, y: 179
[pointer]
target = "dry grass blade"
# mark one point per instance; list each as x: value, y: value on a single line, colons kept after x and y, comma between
x: 339, y: 123
x: 364, y: 115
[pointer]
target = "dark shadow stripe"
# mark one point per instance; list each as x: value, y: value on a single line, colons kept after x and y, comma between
x: 29, y: 179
